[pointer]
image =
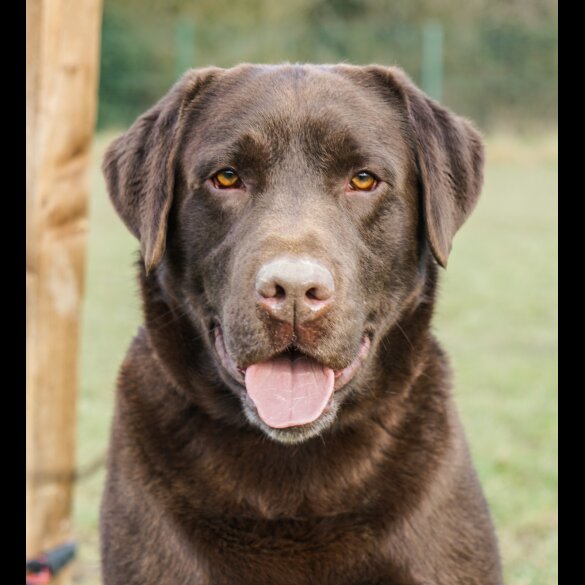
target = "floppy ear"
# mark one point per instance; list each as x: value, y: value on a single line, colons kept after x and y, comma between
x: 449, y: 156
x: 140, y: 165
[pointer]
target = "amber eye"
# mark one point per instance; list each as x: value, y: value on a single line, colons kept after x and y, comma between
x: 363, y: 181
x: 226, y: 178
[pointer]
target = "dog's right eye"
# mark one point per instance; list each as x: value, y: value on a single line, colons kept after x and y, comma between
x: 227, y: 179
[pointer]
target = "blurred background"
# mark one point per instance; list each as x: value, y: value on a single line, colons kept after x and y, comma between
x: 494, y: 62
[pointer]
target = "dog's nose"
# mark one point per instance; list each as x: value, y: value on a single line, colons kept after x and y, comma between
x: 299, y: 286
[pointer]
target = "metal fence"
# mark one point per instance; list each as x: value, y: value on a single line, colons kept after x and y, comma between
x: 496, y: 75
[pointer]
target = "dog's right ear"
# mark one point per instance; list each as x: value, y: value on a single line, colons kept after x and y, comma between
x: 140, y: 165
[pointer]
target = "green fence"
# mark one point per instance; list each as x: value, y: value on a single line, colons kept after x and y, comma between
x: 497, y: 74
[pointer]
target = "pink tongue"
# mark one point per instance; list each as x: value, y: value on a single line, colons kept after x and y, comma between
x: 289, y: 392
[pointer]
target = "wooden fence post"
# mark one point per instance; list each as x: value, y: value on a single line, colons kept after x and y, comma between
x: 62, y: 64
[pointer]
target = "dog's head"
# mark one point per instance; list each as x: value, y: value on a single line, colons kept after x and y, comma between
x: 285, y: 213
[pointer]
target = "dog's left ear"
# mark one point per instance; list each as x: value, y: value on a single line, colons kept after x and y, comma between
x: 140, y: 165
x: 449, y: 155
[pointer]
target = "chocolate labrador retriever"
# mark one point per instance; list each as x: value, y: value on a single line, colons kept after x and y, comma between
x: 285, y: 416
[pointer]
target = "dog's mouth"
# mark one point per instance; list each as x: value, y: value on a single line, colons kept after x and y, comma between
x: 290, y: 389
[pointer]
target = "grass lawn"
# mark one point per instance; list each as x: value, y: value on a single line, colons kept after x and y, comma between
x: 497, y: 317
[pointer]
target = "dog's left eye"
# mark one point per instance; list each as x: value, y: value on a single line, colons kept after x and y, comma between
x: 227, y: 179
x: 363, y: 181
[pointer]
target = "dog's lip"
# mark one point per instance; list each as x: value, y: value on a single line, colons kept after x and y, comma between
x: 342, y: 377
x: 226, y: 360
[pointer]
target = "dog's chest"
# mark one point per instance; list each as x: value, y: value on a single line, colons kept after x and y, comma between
x: 340, y: 551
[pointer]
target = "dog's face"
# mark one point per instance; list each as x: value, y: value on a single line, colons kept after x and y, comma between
x: 287, y: 211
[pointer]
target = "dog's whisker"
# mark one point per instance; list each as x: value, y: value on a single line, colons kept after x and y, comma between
x: 404, y: 334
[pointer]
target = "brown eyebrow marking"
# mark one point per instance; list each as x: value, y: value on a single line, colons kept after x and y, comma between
x: 249, y: 152
x: 338, y: 152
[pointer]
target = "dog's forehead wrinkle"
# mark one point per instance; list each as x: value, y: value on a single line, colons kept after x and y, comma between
x: 320, y: 93
x: 309, y: 119
x: 300, y: 155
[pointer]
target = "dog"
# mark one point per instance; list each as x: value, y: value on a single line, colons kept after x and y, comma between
x: 284, y: 416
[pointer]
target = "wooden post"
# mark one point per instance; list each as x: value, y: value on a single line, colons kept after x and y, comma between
x: 62, y: 64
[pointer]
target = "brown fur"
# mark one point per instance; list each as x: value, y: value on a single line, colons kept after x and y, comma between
x: 383, y: 492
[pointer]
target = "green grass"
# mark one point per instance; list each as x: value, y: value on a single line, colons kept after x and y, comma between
x: 497, y: 318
